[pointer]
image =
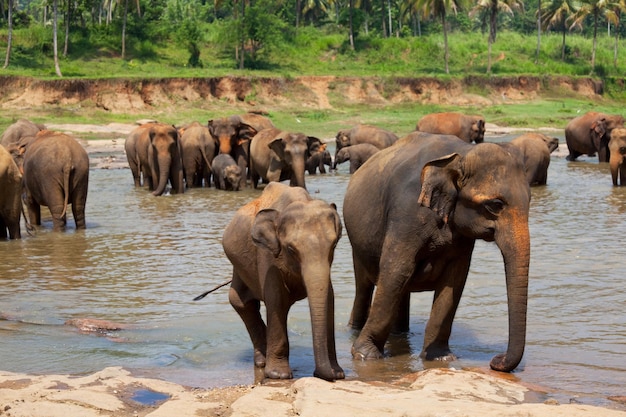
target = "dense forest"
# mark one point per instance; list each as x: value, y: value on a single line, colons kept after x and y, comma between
x: 108, y: 38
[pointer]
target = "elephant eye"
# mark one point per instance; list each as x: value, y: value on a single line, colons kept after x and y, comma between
x: 494, y: 206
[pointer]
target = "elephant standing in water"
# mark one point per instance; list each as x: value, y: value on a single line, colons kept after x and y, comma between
x: 469, y: 128
x: 197, y: 148
x: 413, y: 213
x: 373, y: 135
x: 10, y: 196
x: 357, y: 155
x: 18, y: 130
x: 55, y: 171
x: 281, y: 246
x: 590, y: 133
x: 535, y: 150
x: 617, y: 147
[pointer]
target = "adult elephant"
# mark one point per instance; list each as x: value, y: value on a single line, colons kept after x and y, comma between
x: 291, y: 240
x: 55, y: 171
x: 278, y: 155
x: 153, y: 150
x: 356, y: 154
x: 234, y: 134
x: 373, y: 135
x: 10, y: 196
x: 535, y: 150
x: 198, y: 148
x: 590, y: 133
x: 18, y: 130
x: 412, y: 213
x: 470, y: 128
x: 617, y: 147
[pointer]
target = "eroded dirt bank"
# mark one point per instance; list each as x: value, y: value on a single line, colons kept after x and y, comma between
x: 320, y: 92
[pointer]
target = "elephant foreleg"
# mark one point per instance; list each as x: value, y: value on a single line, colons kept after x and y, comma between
x: 277, y: 305
x: 401, y: 324
x: 365, y: 278
x: 249, y: 311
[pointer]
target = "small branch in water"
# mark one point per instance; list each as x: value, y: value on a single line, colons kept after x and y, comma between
x: 204, y: 294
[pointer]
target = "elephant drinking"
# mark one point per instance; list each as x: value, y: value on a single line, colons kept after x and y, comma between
x: 590, y: 133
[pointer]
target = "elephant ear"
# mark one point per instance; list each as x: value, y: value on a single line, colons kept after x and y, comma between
x: 264, y: 231
x: 278, y: 146
x: 246, y: 132
x: 598, y: 129
x: 439, y: 185
x: 337, y: 221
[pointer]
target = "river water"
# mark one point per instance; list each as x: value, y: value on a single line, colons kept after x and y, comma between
x: 143, y: 259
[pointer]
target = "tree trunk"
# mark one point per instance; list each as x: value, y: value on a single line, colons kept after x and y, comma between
x: 384, y: 24
x: 595, y: 40
x: 9, y: 34
x: 616, y: 41
x: 243, y: 39
x: 351, y: 35
x: 67, y: 27
x: 124, y: 29
x: 445, y: 41
x: 563, y: 44
x: 538, y: 32
x: 298, y: 9
x: 57, y: 69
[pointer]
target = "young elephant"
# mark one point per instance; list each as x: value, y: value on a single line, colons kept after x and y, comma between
x: 373, y: 135
x: 466, y: 127
x: 10, y: 196
x: 226, y: 173
x: 617, y: 148
x: 281, y: 246
x: 317, y: 160
x: 356, y: 154
x: 55, y: 170
x: 535, y: 149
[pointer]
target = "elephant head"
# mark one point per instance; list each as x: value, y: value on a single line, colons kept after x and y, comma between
x: 600, y: 132
x: 551, y: 142
x: 229, y: 132
x: 165, y: 158
x: 468, y: 192
x: 292, y: 149
x: 343, y: 138
x: 477, y: 133
x: 617, y: 148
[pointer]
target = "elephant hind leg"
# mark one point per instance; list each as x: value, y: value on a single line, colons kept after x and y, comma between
x: 248, y: 309
x: 365, y: 278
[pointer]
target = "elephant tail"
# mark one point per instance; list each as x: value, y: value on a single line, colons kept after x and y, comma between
x: 67, y: 171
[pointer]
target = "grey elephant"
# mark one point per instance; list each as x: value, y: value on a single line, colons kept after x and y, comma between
x: 535, y: 150
x: 278, y: 155
x: 617, y: 147
x: 281, y: 246
x: 18, y: 130
x: 356, y: 154
x: 470, y: 128
x: 234, y: 133
x: 318, y: 160
x: 363, y: 133
x: 413, y: 213
x: 198, y: 148
x: 55, y: 171
x: 153, y: 151
x: 10, y: 196
x: 590, y: 133
x: 226, y: 173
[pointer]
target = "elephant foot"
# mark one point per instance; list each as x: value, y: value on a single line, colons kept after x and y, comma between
x: 329, y: 373
x: 438, y: 354
x: 259, y: 359
x: 503, y: 364
x: 365, y: 350
x: 278, y: 371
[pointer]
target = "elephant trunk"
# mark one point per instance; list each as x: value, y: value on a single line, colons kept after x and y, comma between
x: 297, y: 175
x: 514, y: 243
x: 321, y: 305
x: 225, y: 145
x: 615, y: 164
x: 164, y: 164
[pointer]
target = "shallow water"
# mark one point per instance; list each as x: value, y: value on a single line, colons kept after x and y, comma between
x: 143, y: 259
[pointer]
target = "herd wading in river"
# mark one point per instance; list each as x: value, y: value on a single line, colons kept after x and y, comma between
x: 412, y: 211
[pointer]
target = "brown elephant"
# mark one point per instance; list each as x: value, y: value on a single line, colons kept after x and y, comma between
x: 277, y: 155
x: 373, y: 135
x: 590, y: 133
x: 10, y: 196
x: 153, y: 150
x: 281, y: 246
x: 55, y: 171
x: 413, y: 213
x: 318, y: 160
x: 234, y: 133
x: 18, y: 130
x: 470, y: 128
x: 198, y: 148
x: 535, y: 150
x: 356, y: 154
x: 617, y: 148
x: 226, y: 173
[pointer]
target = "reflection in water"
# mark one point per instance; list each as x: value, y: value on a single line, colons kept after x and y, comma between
x: 142, y: 260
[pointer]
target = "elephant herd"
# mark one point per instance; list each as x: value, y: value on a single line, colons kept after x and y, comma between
x: 412, y: 211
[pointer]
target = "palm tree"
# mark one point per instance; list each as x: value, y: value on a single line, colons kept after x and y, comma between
x: 9, y: 34
x: 493, y: 7
x: 613, y: 15
x: 594, y: 8
x: 558, y: 13
x: 125, y: 18
x: 439, y: 9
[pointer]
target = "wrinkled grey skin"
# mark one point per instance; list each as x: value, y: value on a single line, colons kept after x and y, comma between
x: 318, y: 160
x: 18, y: 130
x: 277, y: 155
x: 226, y: 173
x: 373, y: 135
x: 617, y: 147
x: 10, y: 196
x: 535, y: 150
x: 197, y: 148
x: 590, y: 133
x: 469, y: 128
x: 55, y: 171
x: 413, y: 213
x: 281, y: 246
x: 234, y: 133
x: 356, y: 154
